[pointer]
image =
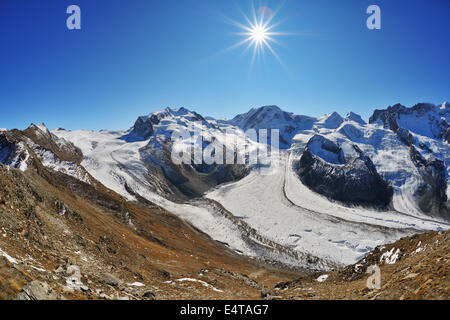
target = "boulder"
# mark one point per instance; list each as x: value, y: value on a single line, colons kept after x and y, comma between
x: 111, y: 280
x: 37, y: 290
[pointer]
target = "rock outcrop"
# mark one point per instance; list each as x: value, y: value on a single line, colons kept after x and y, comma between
x: 37, y: 290
x: 324, y: 169
x: 63, y: 149
x: 432, y: 193
x: 143, y: 127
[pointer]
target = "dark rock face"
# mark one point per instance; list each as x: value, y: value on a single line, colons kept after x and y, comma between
x: 447, y: 136
x: 144, y: 128
x: 186, y: 180
x: 404, y: 135
x: 12, y: 151
x: 387, y: 116
x: 353, y: 182
x: 432, y: 193
x: 7, y: 149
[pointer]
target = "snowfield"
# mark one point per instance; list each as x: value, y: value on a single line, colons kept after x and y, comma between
x: 115, y: 162
x: 283, y: 209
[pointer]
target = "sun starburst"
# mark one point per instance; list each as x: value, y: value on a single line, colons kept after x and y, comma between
x: 259, y: 33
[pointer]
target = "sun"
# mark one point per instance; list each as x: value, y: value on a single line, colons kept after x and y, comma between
x: 259, y: 32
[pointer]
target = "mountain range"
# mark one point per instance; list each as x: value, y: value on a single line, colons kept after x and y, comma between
x: 341, y: 187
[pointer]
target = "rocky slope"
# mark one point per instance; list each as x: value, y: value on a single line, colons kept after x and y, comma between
x: 414, y: 267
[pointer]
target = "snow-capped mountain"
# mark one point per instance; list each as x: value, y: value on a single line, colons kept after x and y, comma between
x: 272, y: 117
x: 165, y: 122
x: 410, y: 157
x: 351, y: 116
x: 339, y: 187
x: 423, y: 119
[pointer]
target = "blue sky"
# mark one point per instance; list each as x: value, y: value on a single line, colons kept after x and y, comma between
x: 134, y: 57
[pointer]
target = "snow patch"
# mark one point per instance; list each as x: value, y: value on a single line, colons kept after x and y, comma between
x: 136, y: 284
x: 38, y: 269
x: 8, y: 257
x: 322, y: 278
x: 390, y: 257
x: 205, y: 284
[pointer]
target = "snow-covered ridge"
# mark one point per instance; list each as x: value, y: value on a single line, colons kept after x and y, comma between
x: 424, y: 119
x: 15, y: 151
x: 13, y: 154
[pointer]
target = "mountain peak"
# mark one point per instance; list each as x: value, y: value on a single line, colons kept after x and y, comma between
x: 146, y: 126
x: 330, y: 120
x: 271, y: 108
x: 264, y: 117
x: 178, y: 112
x: 425, y: 119
x: 41, y: 127
x: 351, y: 116
x: 40, y: 130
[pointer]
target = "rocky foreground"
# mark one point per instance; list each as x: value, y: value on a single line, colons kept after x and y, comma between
x: 414, y: 267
